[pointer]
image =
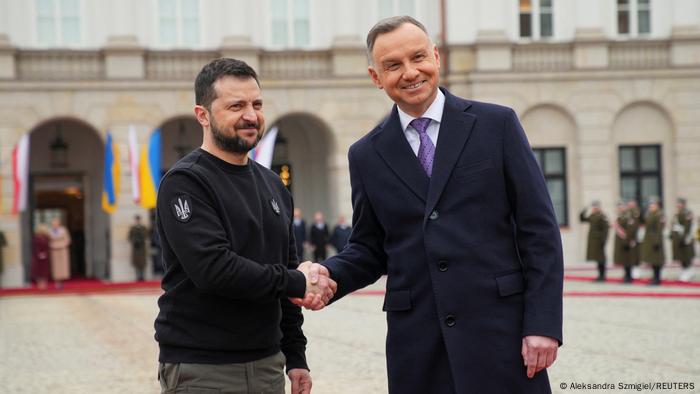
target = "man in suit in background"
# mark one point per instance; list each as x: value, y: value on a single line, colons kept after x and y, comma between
x: 341, y: 234
x: 451, y: 205
x: 299, y: 233
x: 318, y: 237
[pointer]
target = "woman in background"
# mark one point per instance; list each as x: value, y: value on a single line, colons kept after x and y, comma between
x: 60, y: 254
x: 41, y: 263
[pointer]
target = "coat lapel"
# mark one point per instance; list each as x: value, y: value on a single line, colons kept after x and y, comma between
x: 455, y: 128
x: 392, y: 146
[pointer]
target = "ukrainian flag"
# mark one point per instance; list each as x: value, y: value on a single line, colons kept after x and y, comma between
x: 110, y: 186
x: 149, y: 171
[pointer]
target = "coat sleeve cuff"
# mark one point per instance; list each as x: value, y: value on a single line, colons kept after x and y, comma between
x: 296, y: 284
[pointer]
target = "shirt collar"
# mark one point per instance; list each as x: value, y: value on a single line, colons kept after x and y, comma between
x: 433, y: 112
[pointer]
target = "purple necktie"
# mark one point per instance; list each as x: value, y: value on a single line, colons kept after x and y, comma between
x: 426, y: 151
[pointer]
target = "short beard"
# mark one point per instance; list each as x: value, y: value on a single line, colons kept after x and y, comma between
x: 234, y: 144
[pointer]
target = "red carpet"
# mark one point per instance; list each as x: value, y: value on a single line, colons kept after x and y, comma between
x: 86, y: 286
x: 673, y: 283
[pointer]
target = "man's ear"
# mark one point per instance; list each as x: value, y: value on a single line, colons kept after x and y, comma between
x: 202, y: 115
x: 375, y: 77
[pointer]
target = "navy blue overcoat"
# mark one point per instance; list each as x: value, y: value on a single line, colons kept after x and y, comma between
x: 472, y: 255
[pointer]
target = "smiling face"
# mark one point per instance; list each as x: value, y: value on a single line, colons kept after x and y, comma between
x: 407, y: 66
x: 235, y: 118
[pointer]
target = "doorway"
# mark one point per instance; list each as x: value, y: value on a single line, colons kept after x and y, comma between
x: 63, y: 197
x: 66, y: 167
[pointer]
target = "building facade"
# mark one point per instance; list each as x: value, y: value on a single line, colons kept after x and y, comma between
x: 608, y: 92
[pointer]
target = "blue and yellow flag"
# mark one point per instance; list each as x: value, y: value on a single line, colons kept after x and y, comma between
x: 149, y: 171
x: 110, y: 185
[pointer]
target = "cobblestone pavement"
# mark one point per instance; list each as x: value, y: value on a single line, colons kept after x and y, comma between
x: 104, y: 343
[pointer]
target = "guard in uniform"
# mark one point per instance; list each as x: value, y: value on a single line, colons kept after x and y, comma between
x: 138, y: 234
x: 597, y: 236
x: 653, y: 243
x: 682, y: 239
x: 623, y: 241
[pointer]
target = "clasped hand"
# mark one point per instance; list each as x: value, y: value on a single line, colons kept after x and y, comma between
x: 320, y: 288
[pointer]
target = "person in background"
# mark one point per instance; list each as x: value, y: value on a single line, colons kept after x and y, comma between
x: 597, y: 236
x: 682, y: 239
x: 341, y: 234
x: 3, y: 243
x: 623, y: 241
x: 138, y: 234
x: 40, y: 271
x: 634, y: 222
x: 299, y: 233
x: 60, y: 252
x: 652, y: 252
x: 318, y: 237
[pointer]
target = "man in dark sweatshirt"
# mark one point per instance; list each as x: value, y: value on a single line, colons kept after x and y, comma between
x: 226, y: 321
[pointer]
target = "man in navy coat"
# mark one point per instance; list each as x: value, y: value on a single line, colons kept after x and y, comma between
x: 450, y: 204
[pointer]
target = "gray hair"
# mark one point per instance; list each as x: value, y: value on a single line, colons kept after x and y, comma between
x: 387, y: 25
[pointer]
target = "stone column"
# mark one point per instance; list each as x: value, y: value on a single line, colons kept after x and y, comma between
x: 685, y: 46
x: 590, y: 43
x: 493, y: 51
x: 124, y: 58
x: 349, y: 57
x: 241, y: 48
x: 7, y: 58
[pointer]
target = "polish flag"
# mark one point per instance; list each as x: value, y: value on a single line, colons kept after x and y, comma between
x: 134, y: 165
x: 20, y: 174
x: 263, y: 152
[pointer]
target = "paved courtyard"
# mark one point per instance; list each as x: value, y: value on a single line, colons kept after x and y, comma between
x: 103, y: 343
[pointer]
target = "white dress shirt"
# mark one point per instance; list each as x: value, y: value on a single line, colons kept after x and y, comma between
x: 434, y: 112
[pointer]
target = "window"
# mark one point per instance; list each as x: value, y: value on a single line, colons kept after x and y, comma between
x: 387, y: 8
x: 58, y: 22
x: 291, y: 24
x: 178, y: 22
x: 552, y: 161
x: 640, y: 172
x: 627, y: 23
x: 643, y: 17
x: 536, y: 19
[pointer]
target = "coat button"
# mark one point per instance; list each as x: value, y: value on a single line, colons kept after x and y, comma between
x: 450, y: 321
x: 442, y: 265
x: 434, y: 215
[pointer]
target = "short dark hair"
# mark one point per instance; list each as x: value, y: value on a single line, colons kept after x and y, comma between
x: 387, y: 25
x: 204, y: 91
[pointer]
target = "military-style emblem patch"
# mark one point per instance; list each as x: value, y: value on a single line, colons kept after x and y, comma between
x: 181, y: 208
x: 275, y: 206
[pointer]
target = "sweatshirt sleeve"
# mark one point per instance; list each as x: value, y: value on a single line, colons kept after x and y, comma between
x: 293, y: 340
x: 192, y: 227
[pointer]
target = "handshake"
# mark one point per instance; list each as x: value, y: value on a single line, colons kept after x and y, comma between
x: 320, y: 288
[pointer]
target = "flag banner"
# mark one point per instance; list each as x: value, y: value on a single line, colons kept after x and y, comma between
x: 266, y: 147
x: 134, y: 165
x: 110, y: 184
x: 149, y: 170
x: 20, y: 174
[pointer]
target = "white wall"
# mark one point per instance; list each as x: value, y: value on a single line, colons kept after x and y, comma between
x: 334, y: 18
